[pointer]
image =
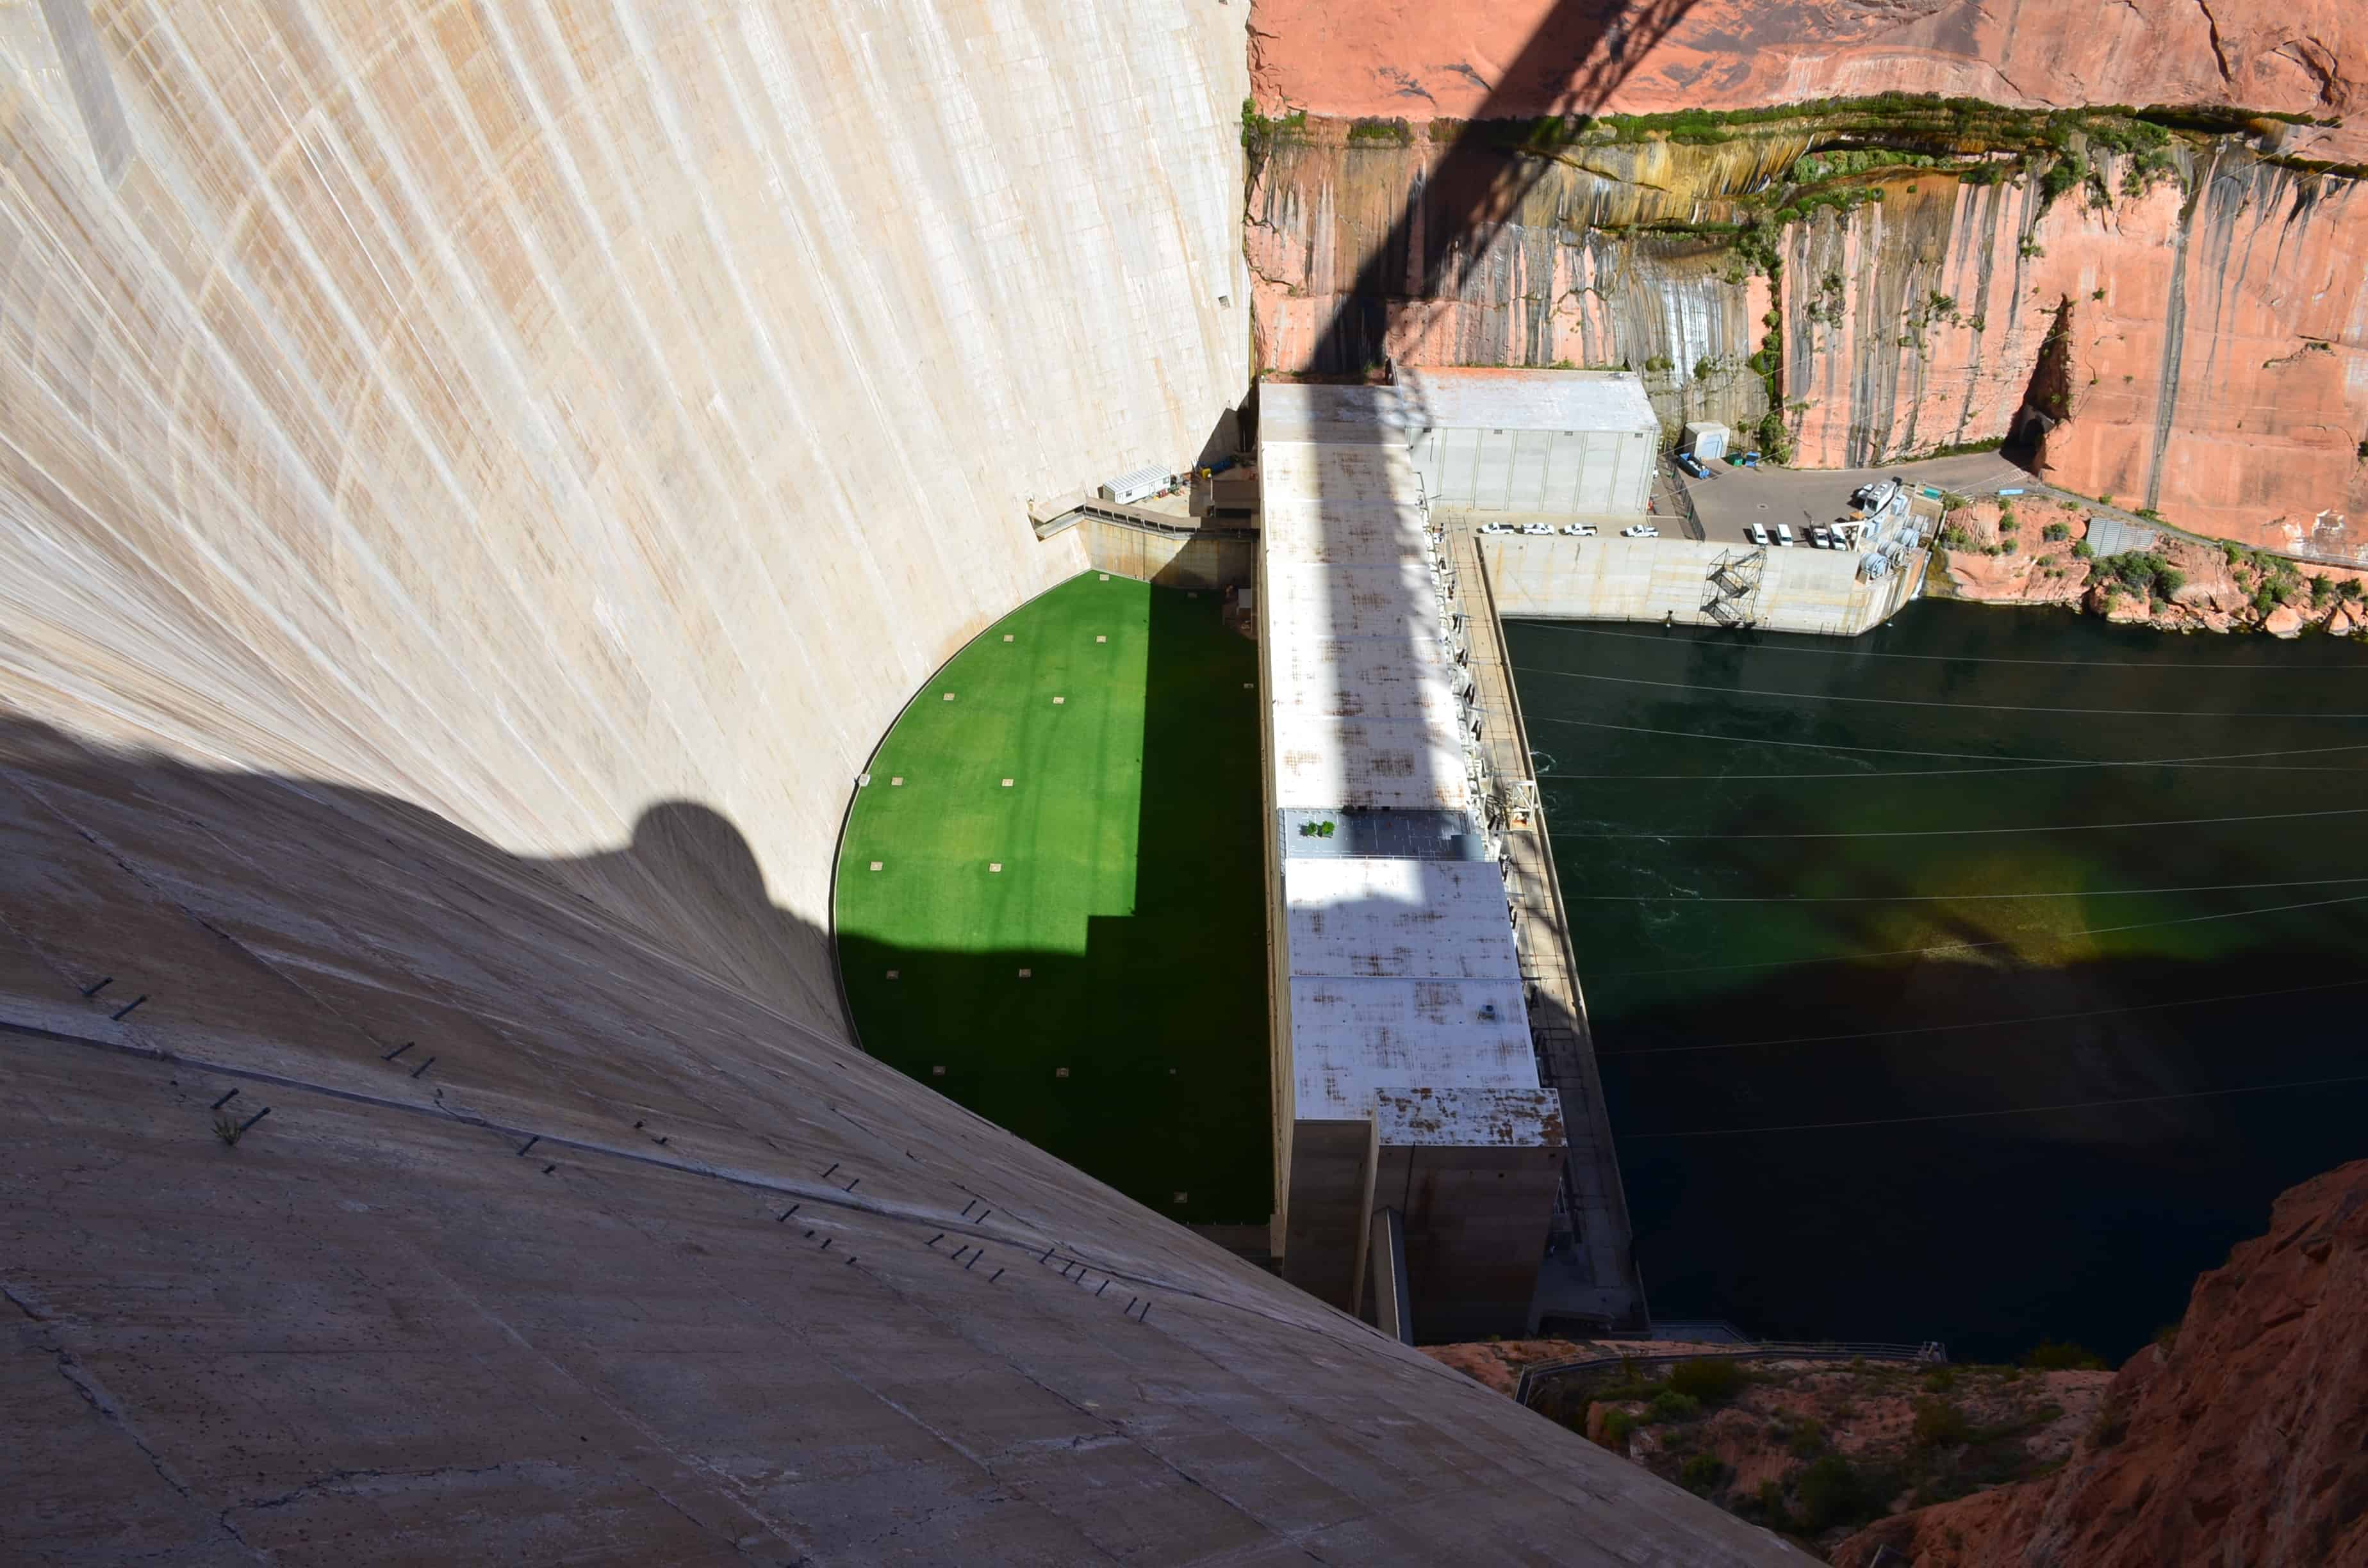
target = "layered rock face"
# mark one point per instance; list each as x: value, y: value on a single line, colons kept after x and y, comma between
x: 475, y: 483
x: 2185, y: 331
x: 2203, y: 302
x: 2242, y: 1438
x: 2211, y: 349
x: 1572, y: 275
x: 1509, y: 58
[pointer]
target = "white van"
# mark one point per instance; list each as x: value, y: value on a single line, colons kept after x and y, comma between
x: 1757, y: 535
x: 1784, y: 535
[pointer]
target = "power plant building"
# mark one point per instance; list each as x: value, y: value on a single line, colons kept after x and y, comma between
x: 1418, y: 1150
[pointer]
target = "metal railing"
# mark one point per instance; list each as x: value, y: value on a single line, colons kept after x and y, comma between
x: 1535, y: 1378
x: 1126, y: 516
x: 1675, y: 485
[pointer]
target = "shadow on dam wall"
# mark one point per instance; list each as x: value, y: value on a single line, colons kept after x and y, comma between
x: 686, y: 883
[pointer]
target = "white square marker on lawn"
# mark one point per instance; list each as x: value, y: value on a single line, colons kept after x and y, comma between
x: 994, y: 865
x: 898, y: 779
x: 1006, y: 637
x: 877, y: 864
x: 1058, y: 701
x: 891, y: 974
x: 1027, y: 974
x: 1101, y: 639
x: 1006, y: 783
x: 1060, y: 1072
x: 1182, y: 1198
x: 949, y: 696
x: 1105, y: 576
x: 936, y: 1072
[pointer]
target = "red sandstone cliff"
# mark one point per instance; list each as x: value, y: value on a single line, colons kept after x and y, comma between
x: 2212, y: 314
x: 1420, y: 59
x: 2242, y: 1441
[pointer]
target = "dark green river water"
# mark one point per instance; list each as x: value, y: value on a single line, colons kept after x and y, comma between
x: 1982, y: 978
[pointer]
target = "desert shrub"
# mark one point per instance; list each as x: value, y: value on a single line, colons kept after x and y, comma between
x: 1940, y: 1424
x: 2053, y: 1355
x: 1833, y: 1492
x: 2055, y: 531
x: 1704, y: 1473
x: 2113, y: 1422
x: 2082, y: 551
x: 1808, y: 1440
x: 1670, y: 1405
x: 1618, y: 1425
x: 2144, y: 572
x: 1712, y: 1379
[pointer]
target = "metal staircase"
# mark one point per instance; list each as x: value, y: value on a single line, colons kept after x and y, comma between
x: 1734, y: 587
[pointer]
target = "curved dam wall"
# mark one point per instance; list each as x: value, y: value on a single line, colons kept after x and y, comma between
x: 475, y: 484
x: 539, y: 414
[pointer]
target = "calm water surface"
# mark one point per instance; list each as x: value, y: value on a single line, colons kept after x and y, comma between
x: 1982, y: 978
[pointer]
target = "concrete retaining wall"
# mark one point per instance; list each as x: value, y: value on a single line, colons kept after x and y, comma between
x: 1653, y: 579
x: 1170, y: 561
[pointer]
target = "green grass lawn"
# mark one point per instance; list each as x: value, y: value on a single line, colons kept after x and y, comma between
x: 1130, y: 892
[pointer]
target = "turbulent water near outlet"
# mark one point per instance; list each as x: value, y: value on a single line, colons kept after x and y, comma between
x: 1981, y: 978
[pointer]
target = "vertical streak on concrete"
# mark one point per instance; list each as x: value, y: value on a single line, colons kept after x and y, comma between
x: 1392, y: 1312
x: 2174, y: 332
x: 92, y: 82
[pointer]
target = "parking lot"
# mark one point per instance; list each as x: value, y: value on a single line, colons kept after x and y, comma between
x: 1734, y: 498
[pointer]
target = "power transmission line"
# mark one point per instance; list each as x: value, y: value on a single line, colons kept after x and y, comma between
x: 1946, y: 897
x: 1947, y: 755
x: 1970, y: 946
x: 1973, y: 1115
x: 1986, y: 1023
x: 1694, y: 642
x: 1701, y: 691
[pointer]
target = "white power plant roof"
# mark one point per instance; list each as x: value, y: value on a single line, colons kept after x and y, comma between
x: 1398, y: 920
x: 1405, y: 994
x: 1572, y: 400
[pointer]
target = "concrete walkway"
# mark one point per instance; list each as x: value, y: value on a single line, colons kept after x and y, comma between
x: 1597, y: 1278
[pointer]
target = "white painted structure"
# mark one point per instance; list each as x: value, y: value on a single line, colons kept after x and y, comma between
x: 1405, y: 1075
x: 1706, y: 439
x: 1659, y: 579
x: 1563, y: 443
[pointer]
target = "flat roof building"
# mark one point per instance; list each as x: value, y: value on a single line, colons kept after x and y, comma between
x: 1405, y: 1081
x: 1412, y: 1128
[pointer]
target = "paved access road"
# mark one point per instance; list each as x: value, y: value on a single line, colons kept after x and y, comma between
x: 1733, y: 497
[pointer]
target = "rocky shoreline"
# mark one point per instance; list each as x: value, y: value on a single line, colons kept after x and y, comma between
x: 2037, y: 549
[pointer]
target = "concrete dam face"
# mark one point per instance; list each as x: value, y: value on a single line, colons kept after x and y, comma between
x: 476, y: 484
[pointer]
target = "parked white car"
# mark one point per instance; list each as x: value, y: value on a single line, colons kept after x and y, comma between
x: 1759, y: 535
x: 1543, y: 529
x: 1821, y: 537
x: 1640, y: 530
x: 1784, y: 535
x: 1495, y: 528
x: 1579, y: 531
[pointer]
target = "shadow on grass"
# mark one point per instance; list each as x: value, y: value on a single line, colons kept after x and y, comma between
x: 1142, y: 1061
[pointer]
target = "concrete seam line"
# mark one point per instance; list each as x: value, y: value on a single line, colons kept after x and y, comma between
x: 836, y: 1196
